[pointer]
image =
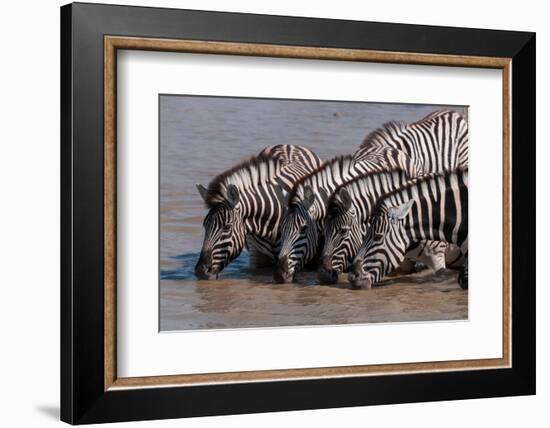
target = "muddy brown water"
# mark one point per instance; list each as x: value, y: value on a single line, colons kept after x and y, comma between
x: 201, y: 137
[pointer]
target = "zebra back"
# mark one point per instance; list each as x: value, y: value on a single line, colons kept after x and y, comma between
x: 436, y: 143
x: 297, y: 162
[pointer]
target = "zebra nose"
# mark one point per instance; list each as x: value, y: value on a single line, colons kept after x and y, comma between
x: 358, y: 278
x: 283, y: 272
x: 283, y: 263
x: 326, y: 263
x: 326, y: 274
x: 203, y: 268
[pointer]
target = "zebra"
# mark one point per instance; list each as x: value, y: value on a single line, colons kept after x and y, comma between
x: 245, y: 205
x: 349, y: 210
x: 436, y: 143
x: 434, y: 208
x: 302, y: 221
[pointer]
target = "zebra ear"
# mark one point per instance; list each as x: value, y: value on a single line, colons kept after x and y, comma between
x: 232, y: 195
x: 202, y: 191
x: 398, y: 213
x: 345, y: 197
x: 309, y: 197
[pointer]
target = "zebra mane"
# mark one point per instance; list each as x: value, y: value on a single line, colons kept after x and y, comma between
x: 334, y: 200
x: 382, y: 205
x: 257, y: 169
x: 297, y: 192
x: 393, y: 128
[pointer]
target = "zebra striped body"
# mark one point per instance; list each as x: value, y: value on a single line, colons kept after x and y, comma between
x: 433, y: 208
x: 436, y: 143
x: 349, y: 211
x: 302, y: 223
x: 245, y: 205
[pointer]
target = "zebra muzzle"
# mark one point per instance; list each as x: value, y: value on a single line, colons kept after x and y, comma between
x: 359, y: 279
x: 204, y: 270
x: 283, y: 272
x: 326, y: 274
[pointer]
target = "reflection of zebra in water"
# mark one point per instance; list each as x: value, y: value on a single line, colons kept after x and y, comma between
x: 349, y: 211
x: 434, y: 208
x: 302, y: 222
x: 436, y: 143
x: 245, y: 205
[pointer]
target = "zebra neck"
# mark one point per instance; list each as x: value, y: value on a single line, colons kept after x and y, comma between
x: 261, y: 233
x: 441, y: 219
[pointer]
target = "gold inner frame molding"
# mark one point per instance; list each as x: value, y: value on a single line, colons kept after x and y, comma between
x: 113, y: 43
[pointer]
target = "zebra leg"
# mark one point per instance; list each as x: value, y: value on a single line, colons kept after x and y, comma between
x: 454, y: 258
x: 435, y: 256
x: 431, y: 254
x: 407, y: 267
x: 463, y: 275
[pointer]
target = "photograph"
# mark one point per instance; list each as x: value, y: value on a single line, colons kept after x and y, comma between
x: 292, y: 212
x: 268, y: 210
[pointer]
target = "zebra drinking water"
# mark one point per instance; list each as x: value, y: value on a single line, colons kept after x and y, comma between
x: 436, y: 143
x: 245, y: 205
x: 434, y: 208
x: 302, y: 222
x: 349, y: 210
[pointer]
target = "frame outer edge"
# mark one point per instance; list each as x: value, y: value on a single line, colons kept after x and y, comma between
x: 523, y: 154
x: 80, y: 396
x: 66, y: 304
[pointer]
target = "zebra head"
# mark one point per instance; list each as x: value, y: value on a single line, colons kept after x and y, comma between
x: 224, y: 234
x: 384, y: 247
x: 342, y: 235
x: 299, y: 235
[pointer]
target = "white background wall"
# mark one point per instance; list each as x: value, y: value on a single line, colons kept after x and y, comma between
x: 29, y: 215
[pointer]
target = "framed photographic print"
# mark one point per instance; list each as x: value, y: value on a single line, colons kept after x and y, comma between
x: 265, y: 213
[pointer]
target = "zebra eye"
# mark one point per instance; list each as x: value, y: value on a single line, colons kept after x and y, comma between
x: 378, y: 236
x: 227, y: 228
x: 344, y: 230
x: 303, y: 228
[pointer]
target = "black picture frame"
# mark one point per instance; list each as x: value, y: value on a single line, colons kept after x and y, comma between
x: 83, y: 398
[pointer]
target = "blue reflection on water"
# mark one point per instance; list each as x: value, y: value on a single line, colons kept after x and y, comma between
x: 237, y: 269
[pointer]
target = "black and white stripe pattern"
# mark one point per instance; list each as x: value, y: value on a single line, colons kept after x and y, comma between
x: 302, y: 223
x: 349, y: 211
x: 434, y: 208
x: 245, y: 205
x: 436, y: 143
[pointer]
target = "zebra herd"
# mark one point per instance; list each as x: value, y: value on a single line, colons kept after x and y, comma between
x: 401, y: 197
